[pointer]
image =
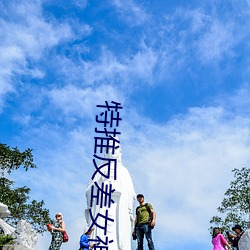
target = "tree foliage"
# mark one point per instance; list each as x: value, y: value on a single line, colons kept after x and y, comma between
x: 6, y: 240
x: 17, y: 199
x: 11, y: 159
x: 235, y: 207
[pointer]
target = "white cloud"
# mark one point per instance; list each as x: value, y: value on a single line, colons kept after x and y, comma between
x: 143, y: 63
x: 25, y: 35
x: 198, y: 19
x: 217, y: 42
x: 186, y: 166
x: 131, y: 12
x: 80, y: 3
x: 123, y: 70
x: 240, y: 100
x: 76, y: 101
x: 191, y: 34
x: 10, y: 57
x: 31, y: 33
x: 105, y: 69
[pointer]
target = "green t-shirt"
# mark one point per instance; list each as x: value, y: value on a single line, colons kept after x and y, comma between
x: 142, y: 214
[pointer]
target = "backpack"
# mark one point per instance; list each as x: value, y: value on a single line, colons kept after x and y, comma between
x: 149, y: 212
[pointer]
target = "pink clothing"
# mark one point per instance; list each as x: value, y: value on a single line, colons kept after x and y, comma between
x: 219, y: 242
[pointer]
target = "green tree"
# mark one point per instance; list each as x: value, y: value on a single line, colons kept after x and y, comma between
x: 17, y: 199
x: 235, y: 207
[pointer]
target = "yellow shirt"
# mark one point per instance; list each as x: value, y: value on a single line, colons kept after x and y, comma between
x: 142, y: 214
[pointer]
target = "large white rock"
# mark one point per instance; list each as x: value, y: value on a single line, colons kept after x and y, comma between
x: 244, y: 242
x: 25, y: 235
x: 14, y: 247
x: 7, y: 229
x: 4, y: 212
x: 121, y: 211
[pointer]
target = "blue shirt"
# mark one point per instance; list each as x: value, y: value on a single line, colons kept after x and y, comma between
x: 84, y: 242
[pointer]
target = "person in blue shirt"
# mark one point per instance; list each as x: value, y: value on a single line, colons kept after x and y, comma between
x: 84, y: 240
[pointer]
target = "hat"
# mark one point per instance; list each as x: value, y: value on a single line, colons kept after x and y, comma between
x: 140, y: 195
x: 59, y: 213
x: 237, y: 227
x: 87, y: 230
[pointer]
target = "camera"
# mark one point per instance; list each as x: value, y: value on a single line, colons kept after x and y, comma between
x: 134, y: 235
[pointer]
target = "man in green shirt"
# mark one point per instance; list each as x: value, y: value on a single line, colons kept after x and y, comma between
x: 144, y: 223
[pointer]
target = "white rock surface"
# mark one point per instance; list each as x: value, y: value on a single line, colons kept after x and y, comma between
x: 244, y: 242
x: 25, y: 235
x: 121, y: 211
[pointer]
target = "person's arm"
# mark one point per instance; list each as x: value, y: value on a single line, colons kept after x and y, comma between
x: 135, y: 224
x: 84, y: 241
x: 154, y: 217
x: 224, y: 242
x: 232, y: 235
x: 229, y: 246
x: 60, y: 229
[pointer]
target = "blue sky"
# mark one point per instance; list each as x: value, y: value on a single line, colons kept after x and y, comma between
x: 180, y: 70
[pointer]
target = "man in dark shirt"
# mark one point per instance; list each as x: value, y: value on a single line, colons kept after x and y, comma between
x: 239, y: 231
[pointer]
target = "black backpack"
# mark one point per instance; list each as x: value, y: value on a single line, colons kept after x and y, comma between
x: 149, y: 212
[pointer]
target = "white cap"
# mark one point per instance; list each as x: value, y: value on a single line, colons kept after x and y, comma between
x: 59, y: 213
x: 87, y: 229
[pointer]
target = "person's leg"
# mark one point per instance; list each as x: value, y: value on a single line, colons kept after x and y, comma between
x: 148, y: 234
x: 57, y: 244
x: 140, y: 231
x: 51, y: 247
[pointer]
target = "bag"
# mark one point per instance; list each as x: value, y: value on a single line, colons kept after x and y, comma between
x: 134, y: 235
x: 49, y: 227
x: 150, y: 226
x: 65, y: 236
